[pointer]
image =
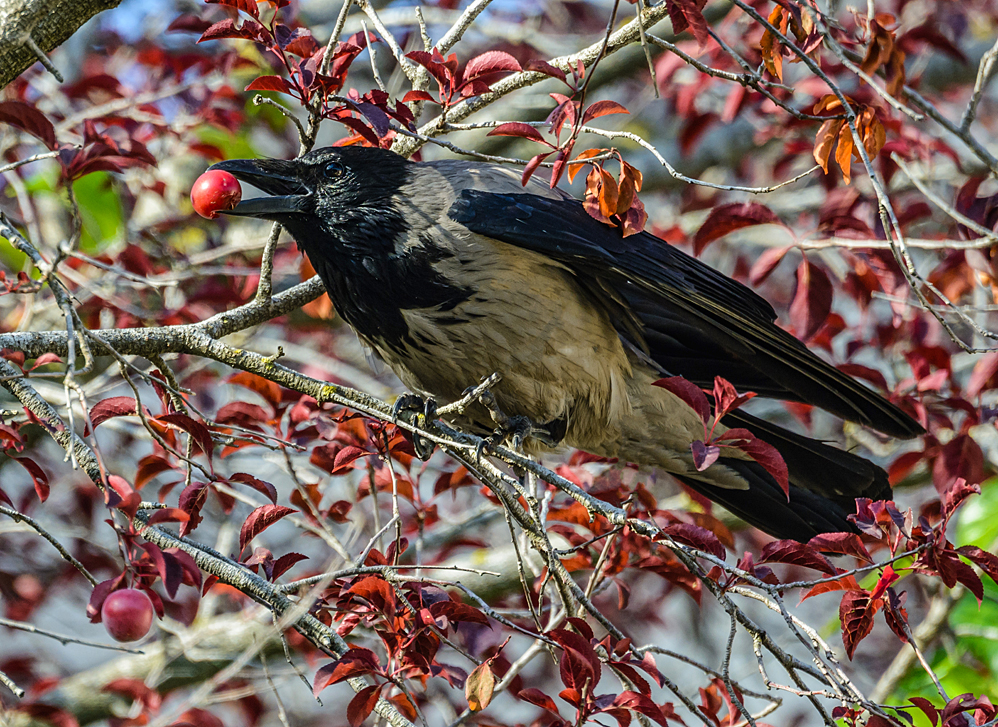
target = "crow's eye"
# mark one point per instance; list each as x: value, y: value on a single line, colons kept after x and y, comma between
x: 334, y: 169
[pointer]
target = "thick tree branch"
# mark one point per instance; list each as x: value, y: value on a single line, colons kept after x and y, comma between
x: 45, y: 24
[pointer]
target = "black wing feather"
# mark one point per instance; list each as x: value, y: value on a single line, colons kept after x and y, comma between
x: 687, y: 317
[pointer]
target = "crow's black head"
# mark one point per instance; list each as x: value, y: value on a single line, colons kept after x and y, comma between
x: 342, y: 193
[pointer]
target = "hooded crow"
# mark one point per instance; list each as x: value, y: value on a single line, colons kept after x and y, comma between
x: 452, y: 270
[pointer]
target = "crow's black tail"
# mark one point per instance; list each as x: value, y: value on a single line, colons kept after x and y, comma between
x: 824, y: 483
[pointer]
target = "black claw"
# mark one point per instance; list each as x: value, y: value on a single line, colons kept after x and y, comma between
x: 415, y: 405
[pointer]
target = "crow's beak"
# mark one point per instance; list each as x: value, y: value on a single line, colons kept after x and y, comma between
x: 276, y: 177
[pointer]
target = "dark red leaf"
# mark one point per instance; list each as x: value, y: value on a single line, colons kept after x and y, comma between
x: 192, y: 499
x: 247, y: 6
x: 695, y: 18
x: 363, y: 704
x: 812, y: 301
x: 539, y: 698
x: 762, y: 452
x: 790, y: 551
x: 198, y: 431
x: 696, y: 536
x: 270, y: 83
x: 167, y: 566
x: 355, y: 662
x: 547, y: 69
x: 456, y: 612
x: 856, y: 613
x: 518, y: 128
x: 579, y: 664
x: 730, y: 217
x: 927, y: 709
x: 689, y: 393
x: 116, y: 406
x: 28, y: 118
x: 987, y: 562
x: 259, y: 520
x: 264, y: 488
x: 285, y: 563
x: 38, y: 476
x: 844, y: 543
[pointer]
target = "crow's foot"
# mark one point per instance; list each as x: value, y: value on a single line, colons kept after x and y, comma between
x: 410, y: 407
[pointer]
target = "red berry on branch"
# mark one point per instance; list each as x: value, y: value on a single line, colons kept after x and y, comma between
x: 127, y: 614
x: 215, y: 191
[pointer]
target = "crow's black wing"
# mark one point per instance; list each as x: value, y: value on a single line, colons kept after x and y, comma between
x: 688, y: 318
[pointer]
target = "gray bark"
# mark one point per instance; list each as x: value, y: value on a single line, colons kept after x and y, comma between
x: 49, y: 23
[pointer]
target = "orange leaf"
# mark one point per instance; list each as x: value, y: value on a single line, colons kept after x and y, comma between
x: 608, y: 193
x: 575, y: 166
x: 824, y: 142
x: 843, y: 152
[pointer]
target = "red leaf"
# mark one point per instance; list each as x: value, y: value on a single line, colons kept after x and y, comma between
x: 987, y: 562
x: 689, y: 393
x: 547, y: 69
x: 191, y: 501
x: 116, y: 406
x: 167, y: 566
x: 247, y: 6
x: 38, y: 476
x: 270, y: 391
x: 845, y: 543
x: 198, y: 431
x: 493, y: 61
x: 813, y: 300
x: 285, y: 563
x: 790, y: 551
x: 539, y: 698
x: 532, y: 165
x: 270, y: 83
x: 602, y: 108
x: 227, y: 29
x: 730, y: 217
x: 762, y: 452
x: 696, y: 20
x: 264, y: 488
x: 766, y: 263
x: 457, y: 612
x: 259, y: 520
x: 417, y: 96
x: 169, y: 515
x: 355, y: 662
x: 45, y: 358
x: 346, y: 457
x: 927, y: 709
x: 641, y: 703
x: 696, y: 536
x: 856, y: 614
x: 27, y: 117
x: 579, y: 665
x: 520, y: 129
x: 846, y: 583
x: 363, y: 704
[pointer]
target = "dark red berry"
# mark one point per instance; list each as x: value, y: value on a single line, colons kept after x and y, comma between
x: 127, y: 614
x: 215, y: 191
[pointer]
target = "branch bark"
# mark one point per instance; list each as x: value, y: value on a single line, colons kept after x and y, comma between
x: 48, y: 23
